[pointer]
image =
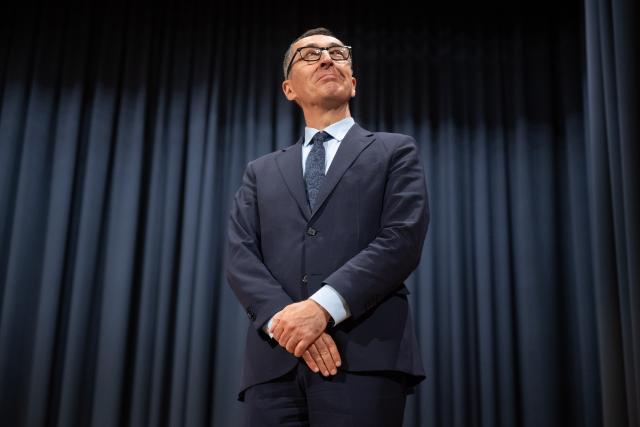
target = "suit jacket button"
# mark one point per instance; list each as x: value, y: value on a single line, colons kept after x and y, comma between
x: 312, y: 231
x: 305, y: 279
x: 251, y: 315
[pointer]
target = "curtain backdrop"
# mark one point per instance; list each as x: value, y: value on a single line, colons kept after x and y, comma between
x: 124, y: 131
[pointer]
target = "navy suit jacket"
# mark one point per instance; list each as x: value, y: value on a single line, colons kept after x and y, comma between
x: 364, y: 238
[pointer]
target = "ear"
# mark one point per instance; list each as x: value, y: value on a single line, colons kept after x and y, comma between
x: 353, y: 86
x: 288, y: 90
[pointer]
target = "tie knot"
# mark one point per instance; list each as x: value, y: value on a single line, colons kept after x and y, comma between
x: 321, y: 137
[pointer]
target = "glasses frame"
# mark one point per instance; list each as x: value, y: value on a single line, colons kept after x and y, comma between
x: 293, y: 57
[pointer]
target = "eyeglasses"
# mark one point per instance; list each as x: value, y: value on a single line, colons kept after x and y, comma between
x: 313, y: 54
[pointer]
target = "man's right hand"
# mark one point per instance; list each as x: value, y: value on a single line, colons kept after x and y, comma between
x: 323, y: 356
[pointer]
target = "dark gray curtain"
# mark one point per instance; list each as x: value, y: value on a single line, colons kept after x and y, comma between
x: 124, y: 131
x: 613, y: 165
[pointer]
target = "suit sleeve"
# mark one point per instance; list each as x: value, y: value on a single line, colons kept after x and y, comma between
x: 380, y: 268
x: 253, y: 284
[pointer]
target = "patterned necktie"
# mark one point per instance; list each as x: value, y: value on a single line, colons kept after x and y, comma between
x: 314, y: 167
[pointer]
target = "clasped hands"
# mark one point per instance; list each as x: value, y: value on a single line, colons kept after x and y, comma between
x: 299, y: 327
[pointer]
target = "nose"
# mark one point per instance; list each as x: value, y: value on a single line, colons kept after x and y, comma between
x: 325, y: 58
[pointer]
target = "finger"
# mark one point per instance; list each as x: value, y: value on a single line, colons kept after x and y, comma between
x: 277, y: 332
x: 333, y: 349
x: 301, y: 347
x: 313, y: 350
x: 274, y: 323
x: 310, y: 362
x: 284, y: 337
x: 326, y: 356
x: 306, y: 338
x: 291, y: 344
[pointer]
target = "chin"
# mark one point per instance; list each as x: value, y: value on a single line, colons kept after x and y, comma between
x: 335, y: 102
x: 335, y: 91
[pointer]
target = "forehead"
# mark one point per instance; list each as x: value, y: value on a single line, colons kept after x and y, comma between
x: 318, y: 40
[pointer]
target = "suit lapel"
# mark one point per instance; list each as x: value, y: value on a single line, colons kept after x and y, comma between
x: 290, y: 165
x: 356, y: 140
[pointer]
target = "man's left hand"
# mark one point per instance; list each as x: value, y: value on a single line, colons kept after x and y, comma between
x: 298, y: 325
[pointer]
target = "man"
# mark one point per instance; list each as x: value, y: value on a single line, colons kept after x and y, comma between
x: 322, y: 236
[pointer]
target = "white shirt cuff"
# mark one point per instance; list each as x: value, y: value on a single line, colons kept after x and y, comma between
x: 267, y: 327
x: 333, y: 302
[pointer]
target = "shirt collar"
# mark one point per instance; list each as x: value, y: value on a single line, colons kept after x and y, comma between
x: 337, y: 130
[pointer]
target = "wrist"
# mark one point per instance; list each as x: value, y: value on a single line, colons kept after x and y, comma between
x: 325, y: 314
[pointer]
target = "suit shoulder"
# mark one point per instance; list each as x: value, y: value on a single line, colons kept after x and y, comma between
x: 264, y: 157
x: 393, y: 141
x: 394, y: 137
x: 268, y: 157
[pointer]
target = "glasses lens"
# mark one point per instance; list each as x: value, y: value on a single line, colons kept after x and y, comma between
x: 339, y: 53
x: 310, y: 53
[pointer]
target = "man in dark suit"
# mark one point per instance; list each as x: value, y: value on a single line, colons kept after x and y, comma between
x: 322, y: 236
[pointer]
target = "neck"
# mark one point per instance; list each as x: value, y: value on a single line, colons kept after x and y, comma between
x: 321, y: 118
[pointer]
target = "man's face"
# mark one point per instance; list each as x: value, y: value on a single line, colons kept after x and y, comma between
x: 324, y: 83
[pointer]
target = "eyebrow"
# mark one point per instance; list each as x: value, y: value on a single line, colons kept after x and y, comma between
x: 334, y: 44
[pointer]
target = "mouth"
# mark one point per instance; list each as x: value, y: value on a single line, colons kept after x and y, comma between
x: 327, y: 77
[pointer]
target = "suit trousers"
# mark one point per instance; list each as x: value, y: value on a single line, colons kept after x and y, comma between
x: 304, y: 398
